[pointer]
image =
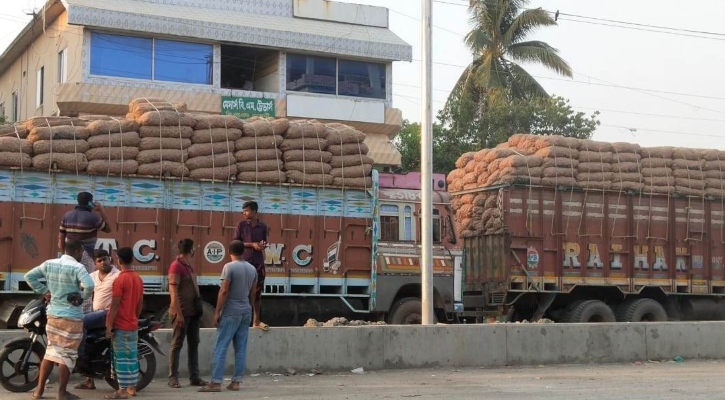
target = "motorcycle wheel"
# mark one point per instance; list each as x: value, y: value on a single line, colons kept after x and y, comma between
x: 146, y: 370
x: 12, y: 378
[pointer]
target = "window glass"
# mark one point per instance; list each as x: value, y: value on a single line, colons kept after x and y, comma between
x: 311, y: 74
x: 389, y: 225
x: 183, y: 62
x: 361, y: 79
x: 39, y: 86
x: 408, y: 215
x: 121, y: 56
x: 63, y: 65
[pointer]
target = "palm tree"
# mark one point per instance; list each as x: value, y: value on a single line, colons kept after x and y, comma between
x: 499, y: 43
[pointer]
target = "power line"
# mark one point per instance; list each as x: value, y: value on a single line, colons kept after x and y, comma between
x: 644, y: 25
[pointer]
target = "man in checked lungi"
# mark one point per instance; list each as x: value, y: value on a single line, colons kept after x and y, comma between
x: 122, y: 325
x: 65, y: 278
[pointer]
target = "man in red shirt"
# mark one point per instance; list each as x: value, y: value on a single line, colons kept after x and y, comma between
x: 122, y: 325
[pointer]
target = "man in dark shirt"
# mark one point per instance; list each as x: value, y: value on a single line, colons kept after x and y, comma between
x: 253, y: 233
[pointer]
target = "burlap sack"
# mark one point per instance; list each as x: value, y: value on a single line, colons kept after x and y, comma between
x: 15, y: 145
x: 207, y: 149
x: 586, y: 156
x: 707, y: 155
x: 595, y: 185
x: 657, y: 152
x: 626, y: 167
x: 559, y: 181
x: 153, y: 156
x: 690, y: 183
x: 258, y: 155
x: 480, y: 200
x: 360, y: 171
x: 679, y: 163
x: 594, y: 176
x: 308, y: 167
x: 308, y: 155
x: 266, y: 127
x: 561, y: 162
x: 688, y: 191
x: 488, y: 178
x: 166, y: 118
x: 260, y: 166
x: 658, y: 189
x: 216, y: 135
x: 623, y: 147
x: 222, y: 160
x: 11, y: 159
x: 153, y: 143
x: 59, y: 133
x: 625, y: 158
x: 309, y: 179
x: 521, y: 172
x: 113, y: 167
x: 504, y: 179
x: 101, y: 127
x: 520, y: 161
x: 626, y: 176
x: 306, y: 129
x: 218, y: 121
x: 114, y: 140
x: 267, y: 177
x: 718, y: 165
x: 594, y: 167
x: 112, y: 153
x: 97, y: 117
x: 155, y: 101
x: 588, y: 145
x: 494, y: 154
x: 173, y: 132
x: 62, y: 161
x: 472, y: 166
x: 655, y: 163
x: 714, y: 183
x: 466, y: 211
x: 469, y: 178
x: 491, y: 201
x: 140, y: 109
x: 557, y: 152
x: 353, y: 182
x: 688, y: 174
x: 715, y: 174
x: 37, y: 122
x: 60, y: 146
x: 303, y: 144
x: 481, y: 167
x: 559, y: 172
x: 481, y: 156
x: 520, y: 140
x: 714, y: 192
x: 260, y: 142
x: 170, y: 168
x: 557, y: 141
x: 659, y: 181
x: 686, y: 154
x: 452, y: 176
x: 350, y: 161
x: 464, y: 159
x: 223, y: 174
x: 14, y: 130
x: 656, y: 172
x: 627, y: 185
x: 343, y: 134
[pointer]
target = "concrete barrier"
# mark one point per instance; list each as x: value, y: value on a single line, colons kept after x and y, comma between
x: 389, y: 347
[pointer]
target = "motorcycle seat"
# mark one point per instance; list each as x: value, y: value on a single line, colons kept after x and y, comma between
x: 94, y: 321
x: 143, y: 322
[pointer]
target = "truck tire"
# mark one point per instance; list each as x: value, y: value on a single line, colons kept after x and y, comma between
x: 641, y: 310
x: 406, y: 311
x: 588, y: 311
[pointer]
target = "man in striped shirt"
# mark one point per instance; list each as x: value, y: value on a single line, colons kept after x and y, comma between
x: 64, y: 278
x: 83, y: 224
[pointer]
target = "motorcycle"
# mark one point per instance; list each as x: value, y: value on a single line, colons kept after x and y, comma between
x: 24, y: 355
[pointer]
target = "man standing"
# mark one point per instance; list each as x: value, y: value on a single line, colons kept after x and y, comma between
x: 64, y: 278
x: 186, y: 311
x: 83, y: 224
x: 253, y: 233
x: 232, y: 318
x: 122, y: 325
x: 103, y: 278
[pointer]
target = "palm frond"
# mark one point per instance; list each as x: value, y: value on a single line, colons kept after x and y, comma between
x: 523, y: 84
x: 540, y: 52
x: 525, y: 23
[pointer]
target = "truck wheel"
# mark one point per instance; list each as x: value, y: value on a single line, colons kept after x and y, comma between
x: 588, y: 311
x: 641, y: 310
x: 406, y: 311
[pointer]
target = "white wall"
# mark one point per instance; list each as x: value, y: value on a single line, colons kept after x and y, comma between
x: 330, y: 107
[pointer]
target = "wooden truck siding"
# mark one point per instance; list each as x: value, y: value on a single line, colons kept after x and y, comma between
x: 557, y: 240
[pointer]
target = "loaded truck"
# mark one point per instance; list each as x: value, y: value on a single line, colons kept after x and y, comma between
x: 332, y: 251
x: 573, y: 255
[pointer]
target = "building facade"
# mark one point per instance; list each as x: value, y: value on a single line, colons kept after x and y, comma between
x: 286, y: 58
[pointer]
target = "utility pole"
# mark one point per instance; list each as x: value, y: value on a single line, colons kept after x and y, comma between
x: 426, y: 164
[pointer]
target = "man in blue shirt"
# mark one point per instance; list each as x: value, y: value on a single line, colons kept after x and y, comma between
x: 64, y: 278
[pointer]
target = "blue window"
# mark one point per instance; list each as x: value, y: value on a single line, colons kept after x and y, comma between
x: 152, y: 59
x: 183, y: 62
x: 121, y: 56
x: 361, y: 79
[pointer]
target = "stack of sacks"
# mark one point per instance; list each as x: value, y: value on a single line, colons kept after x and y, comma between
x: 463, y: 209
x: 258, y: 154
x: 113, y: 147
x: 15, y: 152
x: 560, y: 160
x: 211, y: 155
x: 625, y: 167
x: 656, y: 168
x: 305, y: 143
x: 61, y: 144
x: 714, y: 169
x: 594, y: 170
x: 349, y: 170
x: 455, y: 178
x: 477, y: 214
x: 138, y: 107
x: 14, y: 130
x: 164, y: 149
x: 687, y: 169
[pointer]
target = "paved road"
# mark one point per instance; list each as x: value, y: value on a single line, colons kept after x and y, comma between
x: 661, y: 381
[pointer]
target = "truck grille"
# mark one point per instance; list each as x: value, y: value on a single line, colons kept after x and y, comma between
x: 497, y: 299
x: 152, y: 287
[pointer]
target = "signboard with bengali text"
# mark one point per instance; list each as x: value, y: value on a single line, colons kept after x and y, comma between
x: 246, y: 107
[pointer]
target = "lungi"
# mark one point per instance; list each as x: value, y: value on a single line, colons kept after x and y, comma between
x: 64, y: 337
x: 125, y: 358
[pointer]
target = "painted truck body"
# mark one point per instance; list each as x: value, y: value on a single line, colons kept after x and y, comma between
x: 589, y: 256
x: 326, y: 256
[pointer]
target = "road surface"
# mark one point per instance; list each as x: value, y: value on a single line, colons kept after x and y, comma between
x: 647, y: 380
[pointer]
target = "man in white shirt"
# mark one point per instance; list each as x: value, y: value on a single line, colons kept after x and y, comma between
x: 103, y: 278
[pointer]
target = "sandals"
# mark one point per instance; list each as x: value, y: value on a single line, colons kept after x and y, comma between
x: 84, y: 386
x: 263, y: 326
x: 198, y: 382
x: 115, y: 395
x: 174, y: 383
x: 34, y: 397
x: 68, y: 396
x: 235, y: 386
x: 209, y: 389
